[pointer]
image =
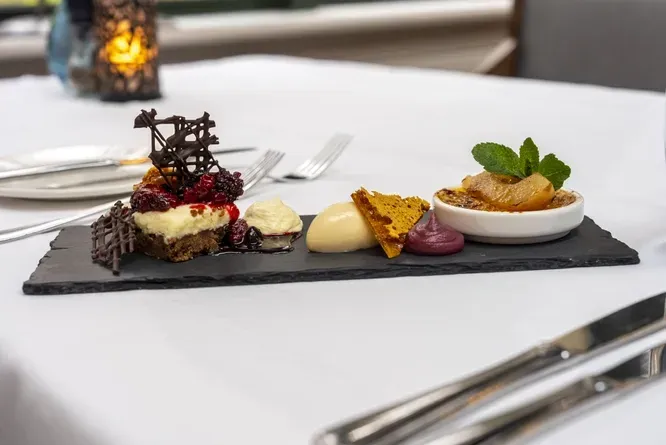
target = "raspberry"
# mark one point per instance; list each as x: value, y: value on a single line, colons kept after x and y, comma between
x: 206, y: 182
x: 230, y: 184
x: 190, y: 196
x: 219, y: 198
x: 236, y: 232
x: 152, y: 198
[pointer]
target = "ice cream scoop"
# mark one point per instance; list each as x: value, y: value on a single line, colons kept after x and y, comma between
x: 339, y: 228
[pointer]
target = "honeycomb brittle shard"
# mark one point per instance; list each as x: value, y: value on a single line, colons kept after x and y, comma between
x: 390, y: 217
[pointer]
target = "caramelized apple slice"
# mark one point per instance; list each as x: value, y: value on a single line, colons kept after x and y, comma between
x: 532, y: 193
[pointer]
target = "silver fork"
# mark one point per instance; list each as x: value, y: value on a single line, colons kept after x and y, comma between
x: 315, y: 166
x: 310, y: 169
x: 252, y: 175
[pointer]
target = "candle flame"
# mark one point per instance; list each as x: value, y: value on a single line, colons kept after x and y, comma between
x: 126, y: 50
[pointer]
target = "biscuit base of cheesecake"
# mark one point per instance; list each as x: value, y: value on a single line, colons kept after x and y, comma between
x: 180, y: 249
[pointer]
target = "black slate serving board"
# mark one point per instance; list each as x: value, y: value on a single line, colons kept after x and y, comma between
x: 67, y: 267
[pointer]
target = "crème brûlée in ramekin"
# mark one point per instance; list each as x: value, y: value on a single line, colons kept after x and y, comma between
x: 480, y: 222
x: 517, y: 199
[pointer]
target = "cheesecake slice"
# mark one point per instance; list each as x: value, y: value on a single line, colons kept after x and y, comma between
x: 183, y: 232
x: 180, y: 226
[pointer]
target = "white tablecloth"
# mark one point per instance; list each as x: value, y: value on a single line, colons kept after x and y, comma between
x: 272, y: 364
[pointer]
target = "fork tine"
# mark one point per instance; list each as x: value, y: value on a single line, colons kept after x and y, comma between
x: 327, y: 158
x: 256, y: 167
x: 330, y: 146
x: 264, y: 170
x: 336, y: 140
x: 270, y: 163
x: 325, y: 164
x: 251, y: 169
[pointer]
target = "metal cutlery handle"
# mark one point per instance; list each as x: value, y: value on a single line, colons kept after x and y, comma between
x: 47, y: 226
x: 55, y: 168
x: 530, y: 418
x: 71, y: 166
x: 254, y: 174
x: 393, y: 424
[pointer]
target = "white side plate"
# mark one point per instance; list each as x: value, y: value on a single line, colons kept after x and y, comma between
x: 111, y: 181
x: 121, y: 179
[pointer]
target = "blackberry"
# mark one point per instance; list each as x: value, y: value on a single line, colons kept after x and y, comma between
x: 253, y: 238
x: 152, y: 198
x: 230, y: 184
x: 236, y: 232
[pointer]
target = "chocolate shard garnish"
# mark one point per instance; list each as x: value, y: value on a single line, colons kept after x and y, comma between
x: 185, y: 155
x: 113, y: 235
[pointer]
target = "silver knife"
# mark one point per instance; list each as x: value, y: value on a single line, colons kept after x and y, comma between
x: 71, y: 166
x: 530, y: 420
x: 393, y: 424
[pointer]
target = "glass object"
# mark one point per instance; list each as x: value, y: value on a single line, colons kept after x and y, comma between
x: 59, y: 43
x: 82, y: 60
x: 126, y: 66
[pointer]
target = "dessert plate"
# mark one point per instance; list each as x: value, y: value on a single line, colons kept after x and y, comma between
x: 68, y: 268
x: 120, y: 179
x: 112, y: 181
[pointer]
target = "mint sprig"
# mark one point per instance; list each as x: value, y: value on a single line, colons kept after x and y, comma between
x: 554, y: 170
x: 529, y: 157
x: 497, y: 158
x: 502, y: 160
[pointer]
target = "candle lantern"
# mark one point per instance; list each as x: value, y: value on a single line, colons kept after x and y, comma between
x: 127, y: 57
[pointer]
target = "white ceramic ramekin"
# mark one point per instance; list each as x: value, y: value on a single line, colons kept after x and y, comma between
x: 512, y: 227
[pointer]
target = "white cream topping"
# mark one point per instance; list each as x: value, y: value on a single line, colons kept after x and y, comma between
x: 273, y: 217
x: 180, y: 221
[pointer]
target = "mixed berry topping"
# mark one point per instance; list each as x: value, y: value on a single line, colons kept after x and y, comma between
x: 239, y: 235
x: 236, y: 232
x: 229, y: 184
x: 221, y: 188
x: 153, y: 198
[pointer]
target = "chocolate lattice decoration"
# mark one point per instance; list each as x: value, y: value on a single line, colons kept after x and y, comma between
x: 113, y: 235
x: 184, y: 156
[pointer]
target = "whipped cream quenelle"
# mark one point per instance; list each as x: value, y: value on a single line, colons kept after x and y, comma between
x: 273, y: 217
x: 340, y: 228
x: 181, y: 221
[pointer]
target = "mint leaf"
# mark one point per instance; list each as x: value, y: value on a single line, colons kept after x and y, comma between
x: 554, y: 170
x: 496, y: 158
x: 529, y: 157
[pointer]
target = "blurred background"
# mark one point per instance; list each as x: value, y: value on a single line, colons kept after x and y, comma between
x: 442, y: 34
x: 613, y: 43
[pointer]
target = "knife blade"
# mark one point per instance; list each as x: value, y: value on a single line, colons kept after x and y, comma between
x: 72, y: 166
x: 530, y: 420
x: 393, y: 424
